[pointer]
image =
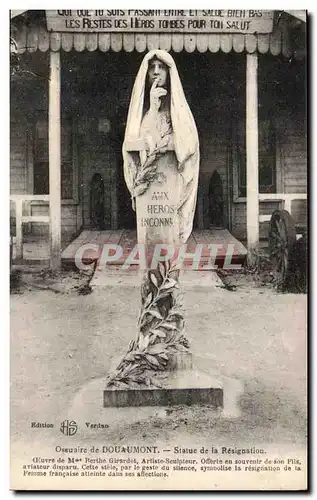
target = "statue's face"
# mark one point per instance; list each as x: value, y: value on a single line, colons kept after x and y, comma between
x: 157, y: 70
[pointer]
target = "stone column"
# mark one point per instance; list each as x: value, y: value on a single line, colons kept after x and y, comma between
x: 54, y: 146
x: 160, y: 343
x: 252, y: 147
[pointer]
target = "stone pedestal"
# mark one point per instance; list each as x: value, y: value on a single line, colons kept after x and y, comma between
x: 179, y: 384
x: 181, y: 387
x: 180, y: 361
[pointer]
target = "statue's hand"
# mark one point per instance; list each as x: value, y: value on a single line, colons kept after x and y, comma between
x: 150, y: 144
x: 155, y: 96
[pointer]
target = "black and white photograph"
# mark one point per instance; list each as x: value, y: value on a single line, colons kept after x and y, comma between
x: 158, y: 168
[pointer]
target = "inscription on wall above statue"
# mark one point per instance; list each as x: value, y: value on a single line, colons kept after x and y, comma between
x: 160, y: 21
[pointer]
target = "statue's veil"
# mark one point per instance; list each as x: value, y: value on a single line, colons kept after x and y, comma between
x: 185, y: 138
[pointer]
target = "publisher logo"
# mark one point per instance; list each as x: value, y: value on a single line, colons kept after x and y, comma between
x: 69, y: 427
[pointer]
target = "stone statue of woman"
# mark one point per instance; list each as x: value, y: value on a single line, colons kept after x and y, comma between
x: 160, y: 119
x: 161, y: 165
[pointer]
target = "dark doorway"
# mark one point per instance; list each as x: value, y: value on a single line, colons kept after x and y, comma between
x: 216, y: 200
x: 97, y: 202
x: 126, y: 214
x: 127, y: 217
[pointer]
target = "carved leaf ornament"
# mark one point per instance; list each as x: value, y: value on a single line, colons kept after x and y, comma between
x: 147, y: 173
x: 160, y: 331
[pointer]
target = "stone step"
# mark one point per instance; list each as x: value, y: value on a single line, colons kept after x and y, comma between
x: 115, y: 275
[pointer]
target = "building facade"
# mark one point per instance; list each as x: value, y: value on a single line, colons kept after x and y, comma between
x: 68, y: 111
